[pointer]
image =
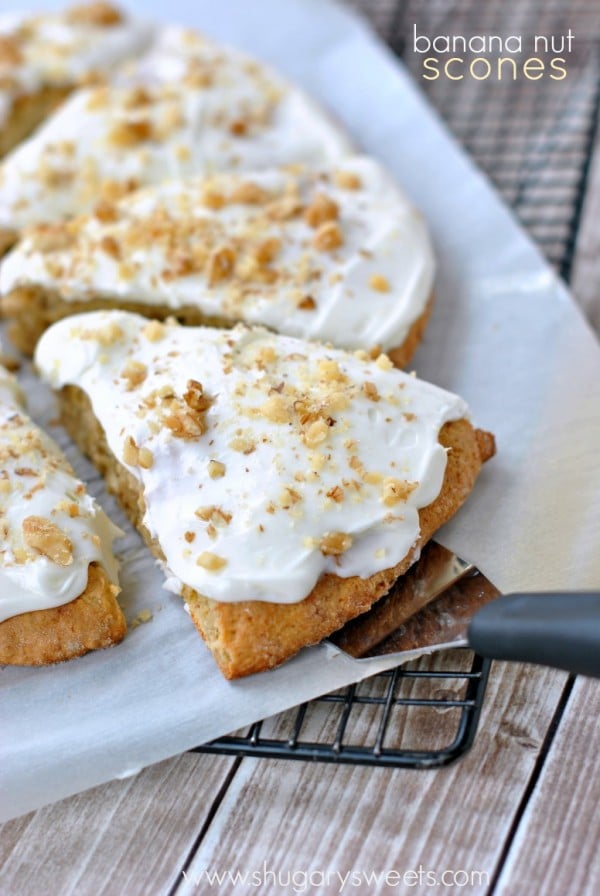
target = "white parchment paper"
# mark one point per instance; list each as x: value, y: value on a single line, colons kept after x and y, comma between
x: 505, y: 334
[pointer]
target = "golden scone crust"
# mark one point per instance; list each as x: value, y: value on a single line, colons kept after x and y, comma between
x: 253, y: 636
x: 91, y: 621
x: 30, y: 310
x: 29, y: 110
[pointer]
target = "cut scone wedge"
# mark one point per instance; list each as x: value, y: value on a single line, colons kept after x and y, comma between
x: 283, y: 485
x: 334, y: 253
x: 44, y: 56
x: 58, y: 575
x: 188, y: 106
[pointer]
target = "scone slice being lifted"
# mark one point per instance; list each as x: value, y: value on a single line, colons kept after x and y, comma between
x: 58, y: 575
x: 283, y: 485
x: 335, y: 253
x: 189, y: 106
x: 44, y: 56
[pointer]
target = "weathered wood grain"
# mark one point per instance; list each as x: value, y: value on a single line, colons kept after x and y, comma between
x: 555, y: 850
x: 128, y: 836
x: 285, y: 817
x: 585, y: 278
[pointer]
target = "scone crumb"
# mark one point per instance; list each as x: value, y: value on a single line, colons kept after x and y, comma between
x: 47, y: 539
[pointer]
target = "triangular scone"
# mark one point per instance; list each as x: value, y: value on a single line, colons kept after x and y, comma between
x: 336, y: 254
x: 282, y: 484
x: 44, y: 56
x: 58, y: 575
x: 190, y: 106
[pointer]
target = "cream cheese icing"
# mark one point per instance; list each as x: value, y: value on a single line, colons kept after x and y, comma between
x: 335, y: 253
x: 190, y: 106
x: 61, y: 49
x: 264, y: 461
x: 50, y: 528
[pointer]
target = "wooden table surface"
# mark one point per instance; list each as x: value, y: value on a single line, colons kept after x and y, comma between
x: 518, y: 815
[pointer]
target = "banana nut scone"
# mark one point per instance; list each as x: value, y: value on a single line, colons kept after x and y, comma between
x: 283, y: 485
x: 44, y: 56
x: 188, y: 106
x: 58, y: 575
x: 335, y: 253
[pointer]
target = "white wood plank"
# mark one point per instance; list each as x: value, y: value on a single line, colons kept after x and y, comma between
x: 555, y: 850
x: 585, y: 279
x: 129, y: 836
x: 301, y: 817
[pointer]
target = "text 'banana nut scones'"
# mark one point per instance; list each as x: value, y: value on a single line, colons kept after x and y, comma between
x: 334, y: 253
x: 189, y: 106
x: 44, y: 56
x: 57, y: 572
x: 283, y: 485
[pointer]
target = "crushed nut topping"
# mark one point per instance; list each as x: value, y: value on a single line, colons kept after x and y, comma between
x: 216, y: 469
x: 46, y: 538
x: 333, y: 544
x: 328, y: 237
x: 379, y: 283
x: 321, y: 210
x: 135, y: 373
x: 211, y: 562
x: 396, y: 490
x: 346, y: 180
x: 98, y: 13
x: 220, y: 265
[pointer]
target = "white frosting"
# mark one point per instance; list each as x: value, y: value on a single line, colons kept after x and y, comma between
x: 321, y: 450
x: 202, y: 108
x: 167, y: 237
x: 52, y: 50
x: 37, y: 481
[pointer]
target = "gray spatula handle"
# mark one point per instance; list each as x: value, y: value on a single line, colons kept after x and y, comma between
x: 553, y: 629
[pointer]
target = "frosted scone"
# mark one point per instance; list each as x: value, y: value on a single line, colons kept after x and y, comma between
x: 58, y: 575
x: 189, y: 106
x: 283, y: 485
x: 336, y: 254
x: 43, y: 56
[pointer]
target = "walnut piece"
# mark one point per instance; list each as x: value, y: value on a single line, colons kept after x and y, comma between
x: 97, y: 14
x: 328, y: 237
x: 47, y: 539
x: 321, y: 209
x: 335, y: 543
x: 211, y: 562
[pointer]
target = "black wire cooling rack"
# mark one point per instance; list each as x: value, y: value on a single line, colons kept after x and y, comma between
x: 534, y: 142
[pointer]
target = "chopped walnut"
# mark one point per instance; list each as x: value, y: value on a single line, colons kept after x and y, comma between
x: 384, y: 363
x: 154, y: 331
x: 347, y: 180
x: 135, y: 373
x: 316, y: 433
x: 109, y: 245
x: 249, y: 193
x: 213, y: 199
x: 284, y: 208
x: 195, y: 398
x: 106, y: 335
x: 321, y: 209
x: 243, y: 445
x: 129, y: 133
x: 266, y: 251
x: 51, y: 237
x: 47, y: 539
x: 10, y: 53
x: 185, y: 425
x: 396, y: 490
x: 106, y: 211
x: 97, y: 14
x: 216, y: 469
x: 307, y: 303
x: 330, y: 371
x: 335, y: 543
x: 220, y: 265
x: 370, y: 390
x: 328, y: 237
x: 134, y: 456
x: 276, y: 410
x: 336, y: 494
x: 379, y: 283
x: 211, y: 562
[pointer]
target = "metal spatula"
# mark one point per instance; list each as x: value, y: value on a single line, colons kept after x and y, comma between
x: 444, y: 599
